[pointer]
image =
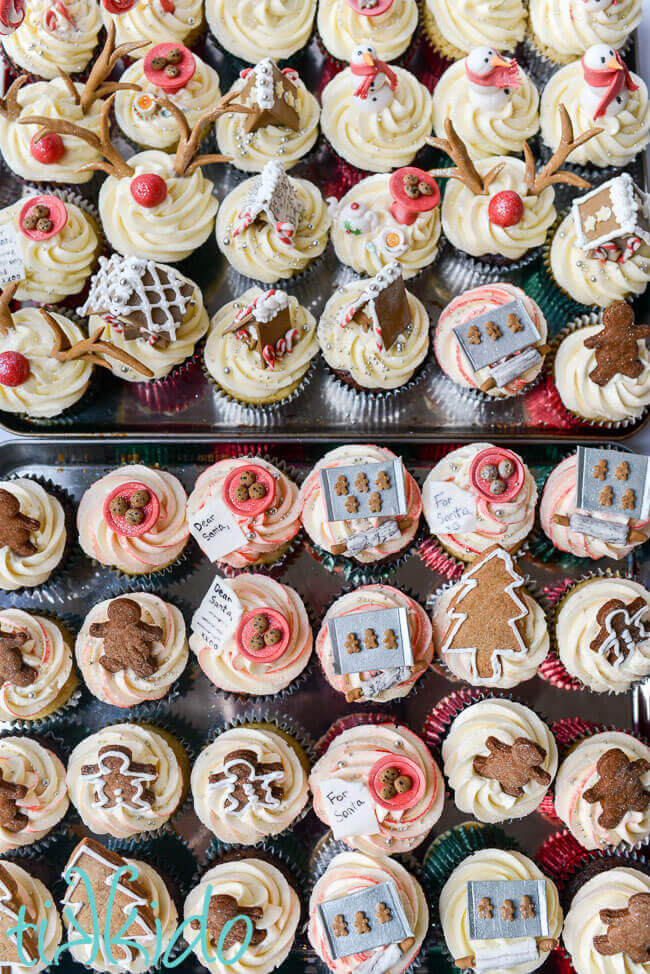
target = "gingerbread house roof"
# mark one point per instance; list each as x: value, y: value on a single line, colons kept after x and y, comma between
x: 272, y: 196
x: 616, y: 209
x: 382, y: 306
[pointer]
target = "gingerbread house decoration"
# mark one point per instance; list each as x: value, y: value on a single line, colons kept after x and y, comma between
x: 382, y: 307
x: 265, y: 325
x: 272, y: 96
x: 140, y: 298
x: 612, y: 221
x: 271, y: 198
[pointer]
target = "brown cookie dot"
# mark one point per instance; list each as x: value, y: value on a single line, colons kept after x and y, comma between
x: 171, y: 71
x: 30, y: 221
x: 257, y: 491
x: 259, y: 623
x: 426, y: 189
x: 256, y: 643
x: 411, y: 191
x: 389, y: 775
x: 497, y: 487
x: 119, y: 506
x: 134, y: 515
x: 40, y: 211
x: 402, y: 784
x: 139, y: 498
x: 174, y: 55
x: 44, y: 225
x: 488, y: 472
x: 506, y: 469
x: 410, y: 179
x: 158, y: 63
x: 387, y: 792
x: 247, y: 478
x: 273, y: 637
x: 241, y: 494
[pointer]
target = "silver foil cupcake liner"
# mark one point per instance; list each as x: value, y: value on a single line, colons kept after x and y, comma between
x: 243, y: 413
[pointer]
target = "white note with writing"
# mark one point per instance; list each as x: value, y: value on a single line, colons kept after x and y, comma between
x: 12, y: 267
x: 218, y: 615
x: 350, y: 807
x: 448, y: 509
x: 216, y: 530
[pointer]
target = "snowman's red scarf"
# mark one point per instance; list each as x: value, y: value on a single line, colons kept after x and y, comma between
x: 369, y: 72
x: 613, y: 80
x: 506, y: 76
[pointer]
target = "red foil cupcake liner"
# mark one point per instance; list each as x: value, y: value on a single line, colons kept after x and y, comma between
x: 552, y: 669
x: 440, y: 561
x: 351, y: 720
x: 440, y: 718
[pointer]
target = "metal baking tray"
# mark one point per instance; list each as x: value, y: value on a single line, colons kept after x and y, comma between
x: 187, y: 404
x: 73, y: 464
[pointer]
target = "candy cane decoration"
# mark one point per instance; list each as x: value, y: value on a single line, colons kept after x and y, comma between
x: 168, y: 6
x: 285, y: 230
x: 291, y: 338
x: 51, y: 18
x: 244, y: 221
x: 269, y: 356
x: 606, y: 251
x: 632, y: 245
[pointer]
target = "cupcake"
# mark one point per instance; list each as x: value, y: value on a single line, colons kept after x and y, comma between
x: 602, y: 633
x: 374, y: 334
x: 491, y: 101
x: 59, y: 243
x: 375, y: 117
x: 255, y: 32
x: 386, y: 24
x: 168, y: 70
x: 371, y: 484
x: 487, y: 875
x: 600, y: 88
x: 150, y: 313
x: 588, y: 517
x: 499, y: 209
x: 460, y: 342
x: 34, y: 792
x: 179, y: 22
x: 53, y: 38
x: 32, y: 534
x: 378, y: 788
x: 260, y: 346
x: 502, y: 648
x: 495, y: 489
x: 600, y: 251
x: 565, y: 32
x: 250, y: 892
x: 602, y: 790
x: 385, y: 900
x: 272, y: 226
x: 262, y: 500
x: 151, y: 922
x: 602, y: 371
x: 133, y: 519
x: 385, y: 218
x: 37, y: 672
x: 258, y: 648
x: 455, y: 27
x: 500, y: 759
x: 283, y: 120
x: 27, y: 905
x: 132, y: 649
x: 127, y: 779
x: 250, y: 782
x: 381, y: 684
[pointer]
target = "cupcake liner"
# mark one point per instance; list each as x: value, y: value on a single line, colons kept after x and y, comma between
x: 441, y: 561
x: 433, y: 35
x: 349, y: 388
x: 564, y: 860
x: 286, y: 850
x: 255, y: 413
x: 357, y: 573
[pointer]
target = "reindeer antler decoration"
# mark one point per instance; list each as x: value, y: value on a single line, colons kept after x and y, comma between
x: 551, y: 173
x: 186, y: 160
x: 9, y: 107
x: 97, y: 86
x: 115, y: 164
x: 6, y: 297
x: 464, y: 170
x: 90, y: 349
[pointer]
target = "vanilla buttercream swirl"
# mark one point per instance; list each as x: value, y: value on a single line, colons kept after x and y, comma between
x: 589, y: 281
x: 169, y: 654
x: 253, y: 883
x: 353, y: 872
x: 47, y: 40
x: 483, y: 797
x: 619, y: 399
x: 351, y: 349
x: 51, y: 99
x: 51, y: 386
x: 466, y: 222
x: 258, y: 252
x: 364, y: 251
x: 122, y: 820
x: 609, y: 890
x: 49, y: 538
x: 255, y: 29
x: 506, y: 524
x: 240, y: 370
x: 48, y: 652
x: 252, y: 152
x: 157, y: 547
x: 350, y: 758
x: 492, y: 865
x: 256, y: 819
x: 377, y: 141
x: 570, y: 28
x: 371, y: 598
x: 466, y: 24
x: 26, y: 762
x: 478, y: 301
x: 160, y: 130
x: 578, y: 773
x: 486, y: 132
x: 329, y: 534
x: 559, y: 497
x: 342, y: 29
x: 229, y: 669
x: 267, y: 533
x: 623, y: 135
x: 149, y: 21
x: 40, y: 911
